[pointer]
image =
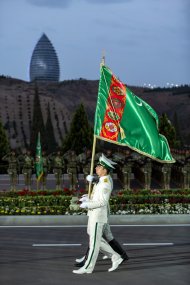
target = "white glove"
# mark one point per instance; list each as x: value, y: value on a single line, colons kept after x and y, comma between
x: 84, y: 205
x: 89, y: 178
x: 84, y: 198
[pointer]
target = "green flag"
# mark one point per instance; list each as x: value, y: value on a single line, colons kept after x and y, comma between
x: 123, y: 118
x: 39, y: 160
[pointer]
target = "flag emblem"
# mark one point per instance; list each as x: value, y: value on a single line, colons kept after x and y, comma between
x: 117, y: 103
x: 111, y: 127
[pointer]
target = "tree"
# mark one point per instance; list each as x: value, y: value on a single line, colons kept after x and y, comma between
x: 37, y: 123
x: 168, y: 130
x: 4, y: 144
x: 177, y: 129
x: 51, y: 144
x: 80, y: 134
x: 187, y: 140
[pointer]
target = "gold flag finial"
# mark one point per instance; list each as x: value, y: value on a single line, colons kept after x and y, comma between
x: 103, y: 58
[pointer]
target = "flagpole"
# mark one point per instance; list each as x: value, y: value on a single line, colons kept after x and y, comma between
x: 94, y: 139
x: 92, y: 164
x: 103, y: 58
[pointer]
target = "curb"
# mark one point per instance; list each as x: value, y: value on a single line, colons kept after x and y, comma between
x: 82, y: 220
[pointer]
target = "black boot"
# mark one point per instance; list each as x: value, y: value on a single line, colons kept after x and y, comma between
x: 117, y: 248
x: 81, y: 264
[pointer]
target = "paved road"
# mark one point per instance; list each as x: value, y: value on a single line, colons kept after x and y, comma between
x: 159, y: 255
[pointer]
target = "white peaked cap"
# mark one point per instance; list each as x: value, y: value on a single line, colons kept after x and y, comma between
x: 111, y: 161
x: 106, y: 162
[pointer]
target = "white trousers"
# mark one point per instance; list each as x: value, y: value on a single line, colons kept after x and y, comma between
x: 96, y: 243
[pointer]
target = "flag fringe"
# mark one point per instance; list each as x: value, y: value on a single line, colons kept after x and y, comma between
x: 137, y: 150
x: 122, y: 133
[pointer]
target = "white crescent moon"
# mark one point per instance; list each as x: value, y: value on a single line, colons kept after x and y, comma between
x: 140, y: 104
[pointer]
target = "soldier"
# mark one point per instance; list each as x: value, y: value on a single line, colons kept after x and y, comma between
x: 72, y: 169
x: 126, y: 169
x: 166, y: 170
x: 58, y: 168
x: 96, y: 157
x: 118, y: 157
x: 146, y: 168
x: 27, y: 162
x: 97, y: 206
x: 177, y: 168
x: 81, y: 159
x: 13, y: 167
x: 148, y: 173
x: 186, y: 174
x: 85, y: 161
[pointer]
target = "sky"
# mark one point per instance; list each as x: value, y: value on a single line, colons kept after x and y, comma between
x: 144, y: 41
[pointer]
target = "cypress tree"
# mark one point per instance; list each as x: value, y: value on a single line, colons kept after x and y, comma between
x: 37, y: 123
x: 168, y: 130
x: 4, y: 144
x: 51, y: 144
x: 177, y: 129
x: 80, y: 134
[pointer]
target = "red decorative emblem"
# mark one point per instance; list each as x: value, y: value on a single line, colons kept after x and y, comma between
x: 118, y: 104
x: 111, y: 127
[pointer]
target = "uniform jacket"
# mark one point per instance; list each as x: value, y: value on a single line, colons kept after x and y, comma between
x: 99, y: 201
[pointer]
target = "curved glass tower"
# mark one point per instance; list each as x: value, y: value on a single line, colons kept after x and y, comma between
x: 44, y: 64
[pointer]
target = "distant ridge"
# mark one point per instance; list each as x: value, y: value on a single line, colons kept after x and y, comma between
x: 16, y: 108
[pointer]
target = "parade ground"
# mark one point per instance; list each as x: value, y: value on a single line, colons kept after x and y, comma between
x: 45, y: 254
x: 5, y: 181
x: 135, y: 184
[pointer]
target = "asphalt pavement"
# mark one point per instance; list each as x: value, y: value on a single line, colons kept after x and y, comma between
x: 34, y: 255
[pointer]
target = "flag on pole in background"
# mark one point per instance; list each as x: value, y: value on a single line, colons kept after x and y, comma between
x: 123, y: 118
x: 39, y: 161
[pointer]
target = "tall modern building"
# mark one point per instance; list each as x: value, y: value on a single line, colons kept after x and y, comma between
x: 44, y: 64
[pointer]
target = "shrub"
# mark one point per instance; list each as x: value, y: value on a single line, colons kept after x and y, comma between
x: 123, y: 202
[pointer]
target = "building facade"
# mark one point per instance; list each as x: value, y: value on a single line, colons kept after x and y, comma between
x: 44, y: 64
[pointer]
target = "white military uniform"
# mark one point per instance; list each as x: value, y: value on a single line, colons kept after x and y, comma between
x: 98, y: 217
